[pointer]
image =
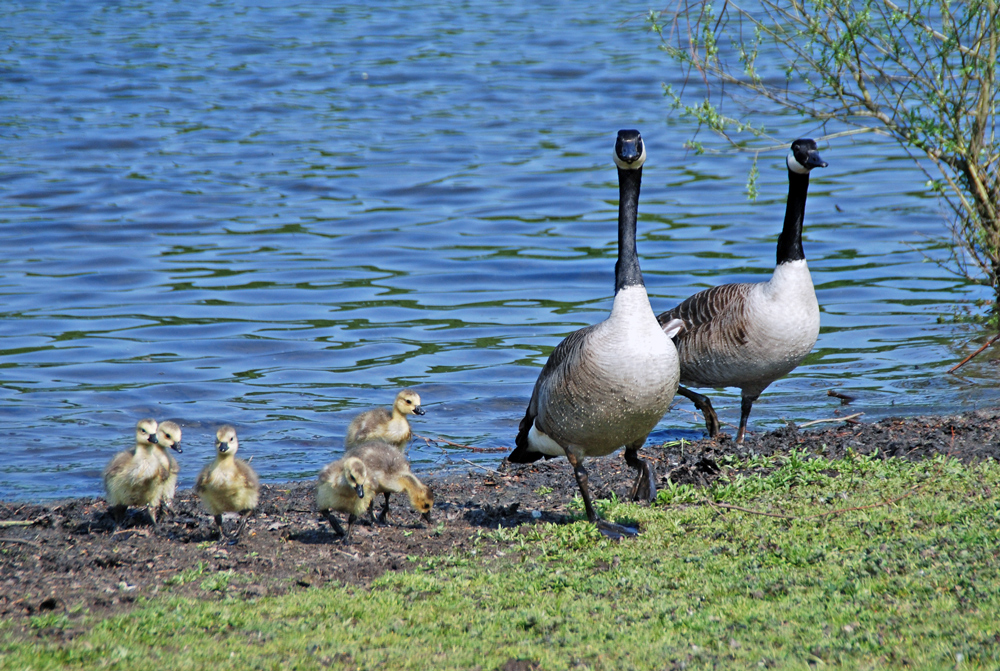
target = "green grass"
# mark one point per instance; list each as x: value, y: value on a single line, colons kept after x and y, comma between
x: 914, y: 584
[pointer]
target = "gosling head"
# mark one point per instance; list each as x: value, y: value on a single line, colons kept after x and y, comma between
x: 225, y: 440
x: 425, y: 501
x: 630, y: 152
x: 408, y: 402
x: 355, y: 474
x: 168, y: 434
x: 145, y: 432
x: 804, y: 156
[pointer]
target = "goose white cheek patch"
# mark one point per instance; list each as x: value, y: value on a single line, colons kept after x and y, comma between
x: 795, y: 166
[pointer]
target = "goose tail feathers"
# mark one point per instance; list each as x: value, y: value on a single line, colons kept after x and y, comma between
x: 523, y: 454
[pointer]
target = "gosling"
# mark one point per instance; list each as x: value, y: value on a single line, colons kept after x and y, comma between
x: 168, y: 435
x: 380, y: 424
x: 391, y: 472
x: 345, y: 486
x: 136, y: 477
x: 228, y: 484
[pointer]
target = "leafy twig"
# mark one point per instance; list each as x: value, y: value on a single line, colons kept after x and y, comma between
x: 846, y: 418
x: 471, y: 448
x: 974, y: 354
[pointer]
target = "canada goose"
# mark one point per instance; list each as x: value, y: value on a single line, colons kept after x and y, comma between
x: 391, y: 473
x: 380, y: 424
x: 748, y: 335
x: 136, y: 477
x: 607, y: 385
x: 228, y: 484
x: 168, y: 435
x: 345, y: 486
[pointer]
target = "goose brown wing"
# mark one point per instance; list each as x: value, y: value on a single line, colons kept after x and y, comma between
x: 561, y: 357
x: 713, y: 315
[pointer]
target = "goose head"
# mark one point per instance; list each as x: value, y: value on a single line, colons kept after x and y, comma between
x: 225, y: 440
x: 804, y: 156
x: 355, y: 475
x: 168, y: 434
x: 145, y: 432
x: 630, y: 152
x: 408, y: 402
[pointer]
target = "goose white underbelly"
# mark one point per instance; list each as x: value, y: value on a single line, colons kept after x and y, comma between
x: 616, y: 389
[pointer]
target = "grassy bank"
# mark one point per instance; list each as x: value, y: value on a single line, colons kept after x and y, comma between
x: 857, y: 563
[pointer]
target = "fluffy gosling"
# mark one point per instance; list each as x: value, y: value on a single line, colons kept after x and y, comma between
x: 168, y: 435
x: 345, y: 486
x: 228, y: 484
x: 380, y: 424
x: 391, y: 472
x: 136, y: 477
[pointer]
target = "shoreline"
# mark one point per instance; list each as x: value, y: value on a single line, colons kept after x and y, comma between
x: 66, y: 556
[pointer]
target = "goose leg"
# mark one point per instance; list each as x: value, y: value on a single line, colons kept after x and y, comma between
x: 644, y: 488
x: 583, y: 482
x: 609, y: 529
x: 745, y: 406
x: 703, y: 403
x: 337, y: 529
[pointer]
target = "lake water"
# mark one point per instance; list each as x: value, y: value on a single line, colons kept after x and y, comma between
x: 276, y: 216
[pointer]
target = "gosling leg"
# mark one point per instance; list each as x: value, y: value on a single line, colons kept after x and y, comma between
x: 244, y: 516
x: 218, y: 524
x: 337, y: 529
x: 384, y: 515
x: 118, y: 514
x: 351, y: 519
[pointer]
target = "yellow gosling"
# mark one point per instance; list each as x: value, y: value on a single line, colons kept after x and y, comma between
x: 380, y: 424
x: 136, y: 477
x: 391, y: 472
x: 168, y: 435
x: 228, y: 484
x: 347, y: 487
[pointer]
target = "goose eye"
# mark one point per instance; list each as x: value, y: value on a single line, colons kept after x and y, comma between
x: 409, y: 402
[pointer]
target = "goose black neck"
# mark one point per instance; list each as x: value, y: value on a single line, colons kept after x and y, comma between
x: 627, y: 272
x: 790, y: 240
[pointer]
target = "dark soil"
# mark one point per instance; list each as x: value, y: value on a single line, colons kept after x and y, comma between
x: 68, y: 558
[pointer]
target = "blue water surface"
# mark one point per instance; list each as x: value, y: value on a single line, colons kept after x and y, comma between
x: 277, y: 215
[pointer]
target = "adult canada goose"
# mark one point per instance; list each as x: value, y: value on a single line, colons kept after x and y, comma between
x: 748, y: 335
x: 380, y: 424
x: 607, y: 385
x: 168, y: 435
x: 228, y: 484
x: 390, y: 471
x: 136, y: 477
x: 346, y: 487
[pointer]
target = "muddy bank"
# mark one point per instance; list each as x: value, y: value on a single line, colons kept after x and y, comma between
x: 66, y: 557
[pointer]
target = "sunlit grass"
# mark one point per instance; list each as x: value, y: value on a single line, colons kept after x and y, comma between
x: 857, y: 563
